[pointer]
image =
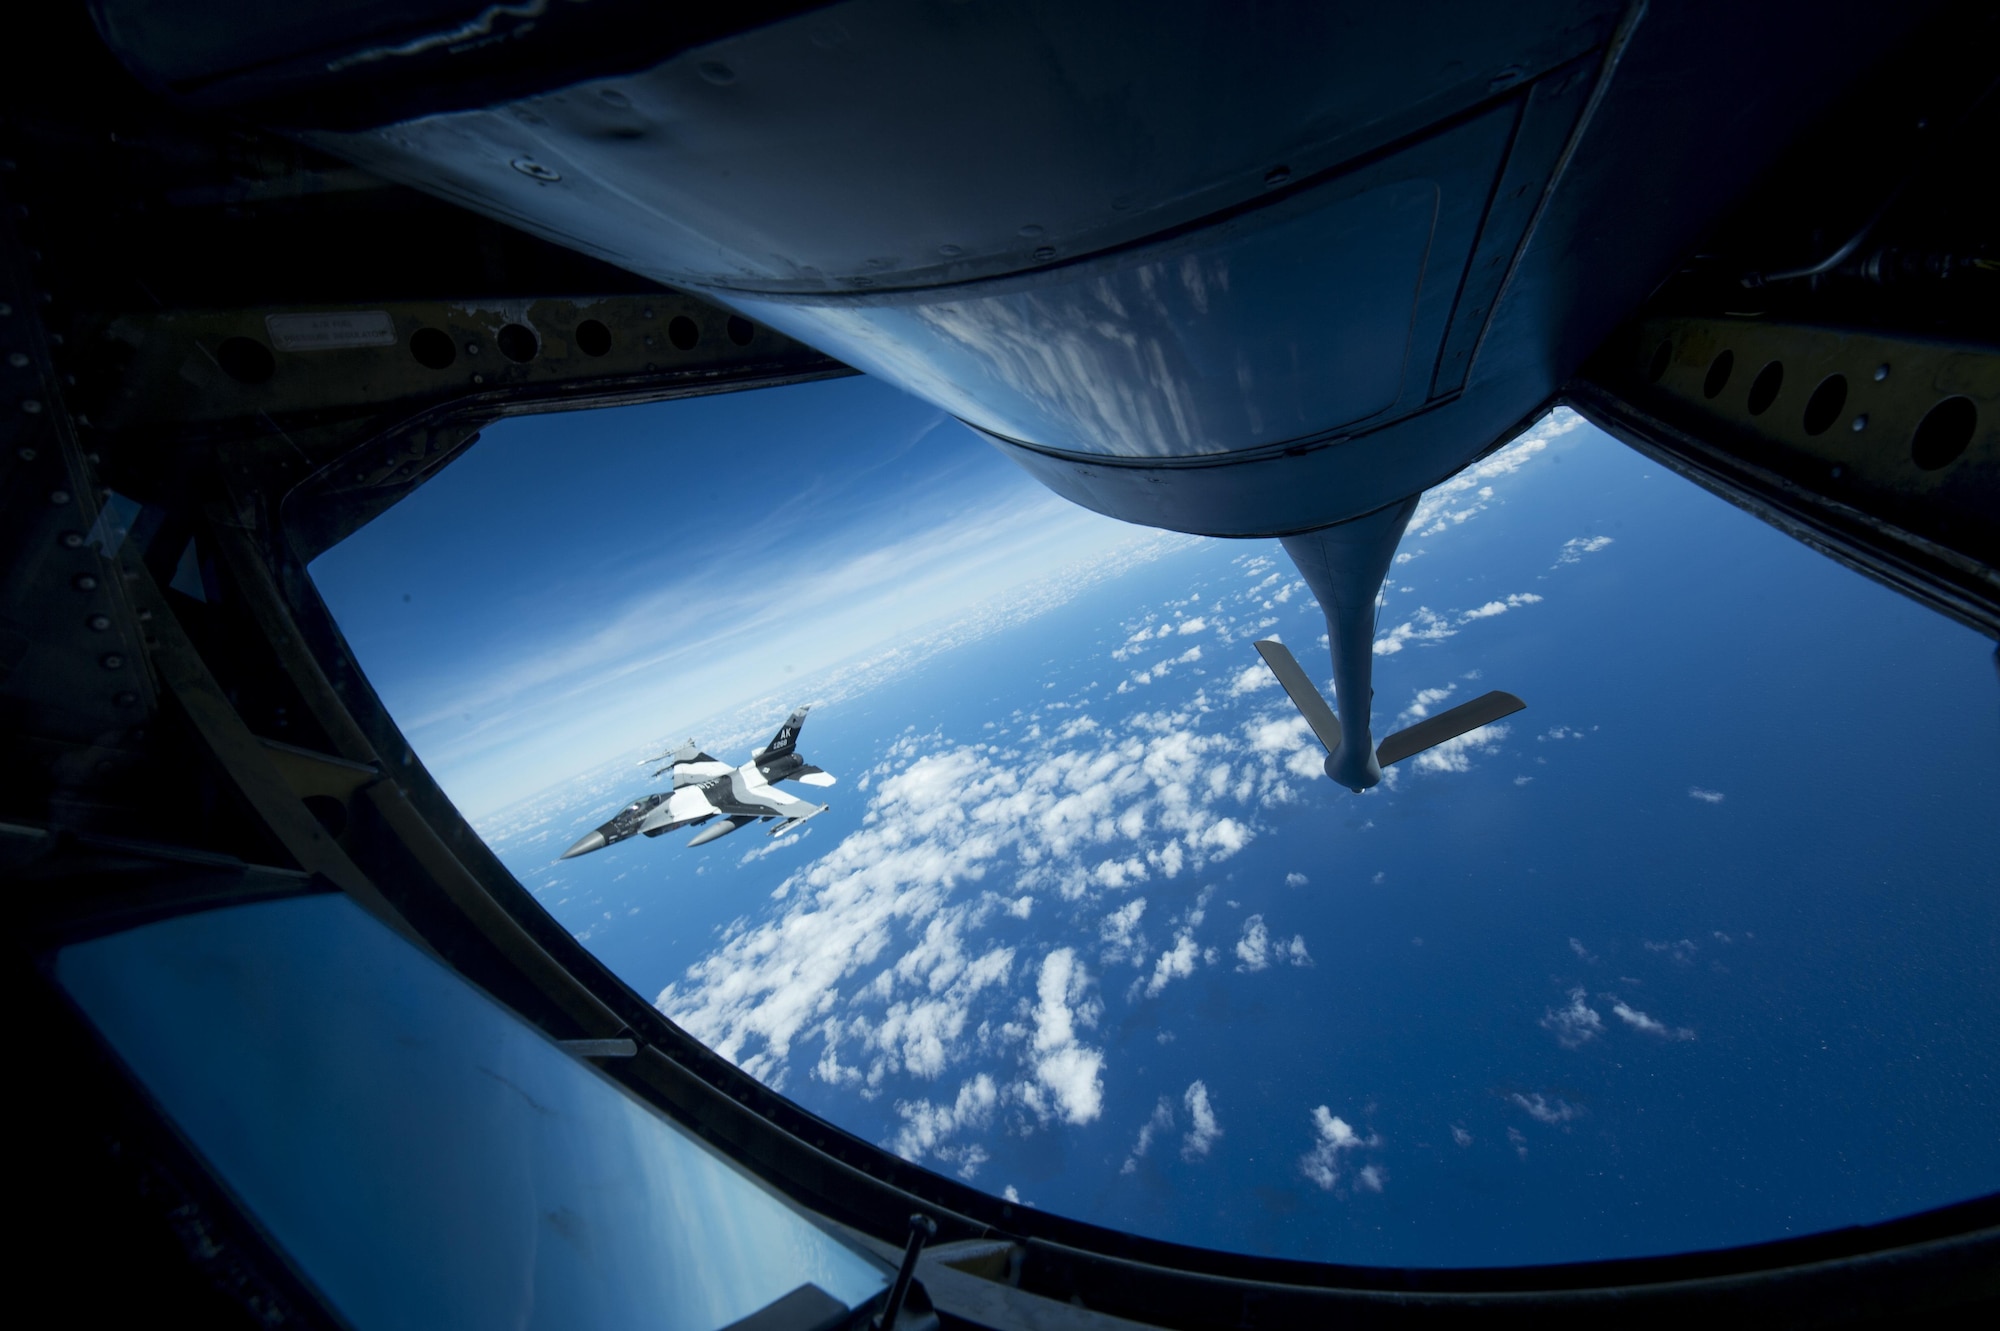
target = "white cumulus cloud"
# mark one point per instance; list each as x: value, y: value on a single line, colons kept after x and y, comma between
x: 1420, y: 706
x: 874, y: 946
x: 1639, y: 1021
x: 1574, y: 1025
x: 1332, y: 1138
x: 1203, y: 1129
x: 1256, y: 950
x: 1176, y: 963
x: 1064, y: 1067
x: 1574, y: 549
x: 1251, y: 678
x: 1253, y: 950
x: 1161, y: 1121
x: 928, y: 1127
x: 1120, y: 934
x: 1492, y: 608
x: 1548, y: 1109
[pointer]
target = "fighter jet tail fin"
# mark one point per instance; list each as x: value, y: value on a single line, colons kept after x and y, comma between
x: 1433, y: 731
x: 786, y: 739
x: 1303, y: 695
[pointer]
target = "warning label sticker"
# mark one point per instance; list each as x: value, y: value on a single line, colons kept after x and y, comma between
x: 331, y: 331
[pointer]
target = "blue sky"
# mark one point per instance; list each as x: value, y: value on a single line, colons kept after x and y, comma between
x: 1660, y: 963
x: 584, y: 584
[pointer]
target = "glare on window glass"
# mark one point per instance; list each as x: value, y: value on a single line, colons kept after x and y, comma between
x: 1697, y: 949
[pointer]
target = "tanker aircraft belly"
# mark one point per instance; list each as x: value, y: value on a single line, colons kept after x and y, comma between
x: 706, y: 789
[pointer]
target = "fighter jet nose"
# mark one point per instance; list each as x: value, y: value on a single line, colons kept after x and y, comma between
x: 594, y: 841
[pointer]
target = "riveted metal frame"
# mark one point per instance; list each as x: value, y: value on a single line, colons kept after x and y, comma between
x: 1851, y: 489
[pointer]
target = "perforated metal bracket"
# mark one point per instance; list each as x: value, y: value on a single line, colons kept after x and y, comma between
x: 1881, y: 451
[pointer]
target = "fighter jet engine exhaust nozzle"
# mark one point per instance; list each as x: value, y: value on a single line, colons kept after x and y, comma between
x: 1344, y: 565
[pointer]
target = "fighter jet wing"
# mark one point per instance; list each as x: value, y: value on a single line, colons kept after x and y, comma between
x: 729, y: 797
x: 792, y: 810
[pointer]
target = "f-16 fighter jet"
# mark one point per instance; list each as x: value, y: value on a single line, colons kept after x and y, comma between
x: 706, y: 789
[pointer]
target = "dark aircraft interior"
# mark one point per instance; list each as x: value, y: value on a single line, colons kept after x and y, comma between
x: 264, y: 271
